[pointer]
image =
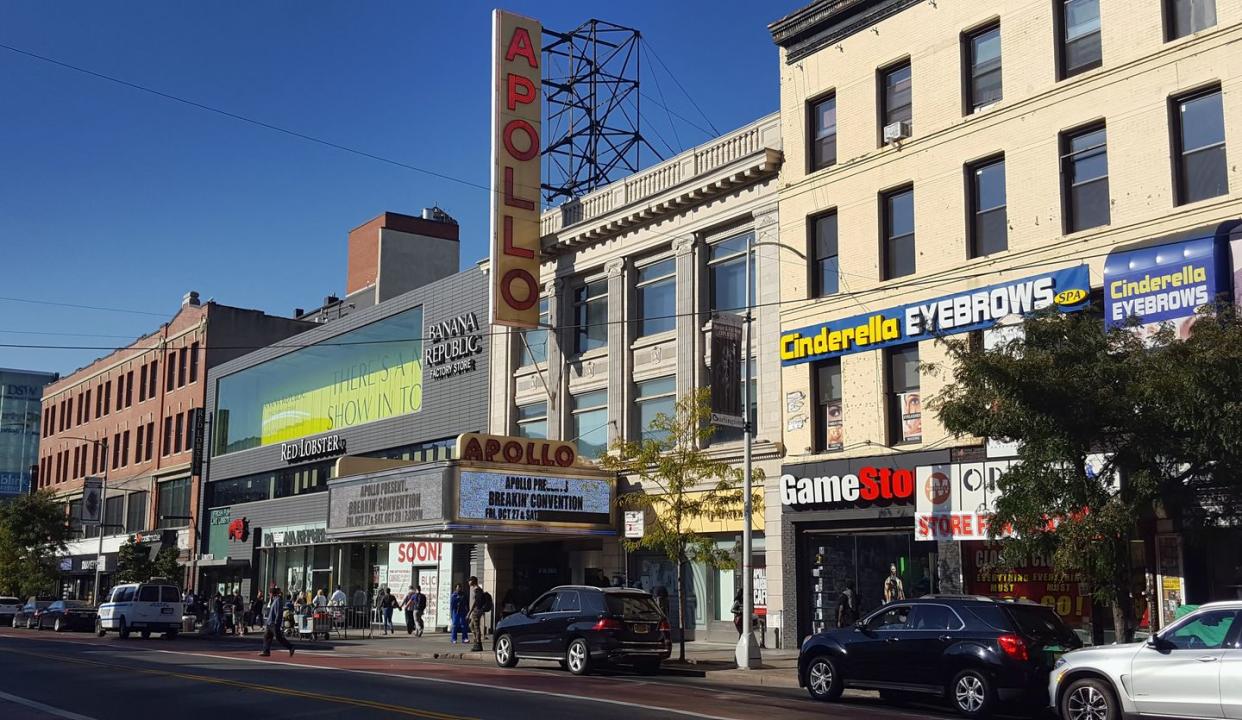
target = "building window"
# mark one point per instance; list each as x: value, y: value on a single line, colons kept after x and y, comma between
x: 532, y: 421
x: 78, y: 407
x: 651, y: 398
x: 182, y: 356
x: 590, y: 423
x: 989, y: 230
x: 1084, y: 176
x: 95, y: 457
x: 1080, y: 48
x: 114, y: 515
x: 726, y: 266
x: 823, y: 133
x: 829, y: 422
x: 116, y: 450
x: 136, y: 511
x: 591, y: 316
x: 1183, y: 17
x: 173, y: 503
x: 1202, y: 171
x: 825, y: 260
x: 898, y: 248
x: 152, y: 378
x: 535, y: 347
x: 191, y: 417
x: 168, y: 435
x: 983, y: 56
x: 179, y: 433
x: 150, y: 440
x: 125, y: 448
x: 657, y: 297
x: 120, y: 391
x: 171, y: 380
x: 905, y: 422
x: 896, y: 104
x: 140, y: 438
x: 142, y: 382
x: 129, y: 388
x: 193, y: 362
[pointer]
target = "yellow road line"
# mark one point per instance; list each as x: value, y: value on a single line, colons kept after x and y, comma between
x: 368, y: 704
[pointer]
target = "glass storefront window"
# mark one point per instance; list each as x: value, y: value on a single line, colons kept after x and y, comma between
x: 368, y: 374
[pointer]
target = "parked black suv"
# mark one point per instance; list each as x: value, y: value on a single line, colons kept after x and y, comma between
x: 581, y: 626
x: 974, y: 651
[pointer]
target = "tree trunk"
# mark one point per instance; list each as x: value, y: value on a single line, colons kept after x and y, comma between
x: 681, y: 611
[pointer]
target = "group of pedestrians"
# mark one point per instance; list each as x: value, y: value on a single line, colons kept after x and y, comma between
x: 413, y: 603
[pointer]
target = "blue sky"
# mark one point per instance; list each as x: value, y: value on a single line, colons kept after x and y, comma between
x: 116, y: 198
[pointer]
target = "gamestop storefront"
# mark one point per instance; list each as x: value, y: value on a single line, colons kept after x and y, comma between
x: 850, y: 521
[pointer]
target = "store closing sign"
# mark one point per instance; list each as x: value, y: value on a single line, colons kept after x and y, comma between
x: 955, y: 501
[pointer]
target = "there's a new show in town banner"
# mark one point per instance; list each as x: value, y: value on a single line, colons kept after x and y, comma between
x: 516, y: 92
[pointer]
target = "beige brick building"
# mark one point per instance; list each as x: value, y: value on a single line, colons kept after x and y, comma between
x: 1031, y: 136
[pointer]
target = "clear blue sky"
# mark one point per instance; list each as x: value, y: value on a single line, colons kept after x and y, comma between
x: 113, y: 197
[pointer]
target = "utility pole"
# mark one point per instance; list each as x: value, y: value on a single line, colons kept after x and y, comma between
x: 103, y: 510
x: 747, y: 651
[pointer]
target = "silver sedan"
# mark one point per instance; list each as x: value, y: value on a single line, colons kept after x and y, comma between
x: 1191, y: 669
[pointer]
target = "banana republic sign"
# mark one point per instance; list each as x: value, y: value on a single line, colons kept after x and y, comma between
x: 452, y: 346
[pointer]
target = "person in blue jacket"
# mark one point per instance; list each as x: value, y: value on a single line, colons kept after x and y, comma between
x: 458, y: 605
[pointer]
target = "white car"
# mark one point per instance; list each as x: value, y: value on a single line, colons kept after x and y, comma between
x: 9, y: 607
x: 1191, y: 669
x: 145, y: 607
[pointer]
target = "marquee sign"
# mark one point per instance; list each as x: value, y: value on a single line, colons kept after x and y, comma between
x: 512, y: 497
x: 957, y: 313
x: 517, y: 80
x: 478, y: 447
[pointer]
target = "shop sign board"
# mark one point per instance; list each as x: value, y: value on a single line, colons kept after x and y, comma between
x: 308, y: 448
x: 955, y: 501
x: 635, y: 524
x: 869, y: 486
x: 511, y: 497
x: 517, y: 80
x: 1162, y: 285
x: 726, y: 356
x: 961, y: 312
x: 418, y: 553
x: 508, y: 450
x: 1030, y: 578
x: 309, y: 534
x: 390, y: 500
x: 452, y: 346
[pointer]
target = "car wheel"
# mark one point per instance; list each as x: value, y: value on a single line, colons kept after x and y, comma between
x: 1089, y: 699
x: 971, y: 694
x: 123, y: 630
x: 56, y: 626
x: 99, y: 628
x: 578, y: 657
x: 146, y: 634
x: 823, y: 681
x: 647, y: 666
x: 505, y: 657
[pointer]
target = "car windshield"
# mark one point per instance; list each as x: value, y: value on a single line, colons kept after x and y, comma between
x: 1041, y: 623
x: 633, y: 607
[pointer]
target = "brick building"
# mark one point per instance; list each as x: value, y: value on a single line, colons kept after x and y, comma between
x: 132, y: 415
x: 938, y: 150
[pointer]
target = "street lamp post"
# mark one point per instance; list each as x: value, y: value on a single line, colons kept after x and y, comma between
x: 103, y: 503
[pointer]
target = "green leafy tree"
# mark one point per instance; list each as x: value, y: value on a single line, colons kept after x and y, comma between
x: 165, y: 564
x: 1159, y: 420
x: 33, y: 533
x: 678, y: 486
x: 133, y: 563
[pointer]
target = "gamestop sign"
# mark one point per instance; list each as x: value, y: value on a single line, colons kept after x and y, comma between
x: 870, y: 486
x: 516, y: 92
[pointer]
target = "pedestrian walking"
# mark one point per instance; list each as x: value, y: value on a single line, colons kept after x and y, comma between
x: 387, y: 606
x: 459, y: 604
x: 737, y: 611
x: 338, y: 597
x: 217, y: 614
x: 321, y: 600
x: 239, y: 614
x: 475, y: 613
x: 272, y: 621
x: 420, y: 606
x: 407, y: 606
x: 256, y: 611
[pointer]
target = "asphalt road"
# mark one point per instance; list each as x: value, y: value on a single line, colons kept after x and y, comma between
x: 80, y: 677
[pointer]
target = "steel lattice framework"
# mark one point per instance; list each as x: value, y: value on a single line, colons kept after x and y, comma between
x: 591, y: 107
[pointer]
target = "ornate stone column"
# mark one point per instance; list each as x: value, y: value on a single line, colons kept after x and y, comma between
x: 688, y: 326
x: 619, y: 364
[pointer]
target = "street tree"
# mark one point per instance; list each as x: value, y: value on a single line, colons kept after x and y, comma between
x: 33, y: 533
x: 669, y: 477
x: 134, y: 562
x: 1114, y: 429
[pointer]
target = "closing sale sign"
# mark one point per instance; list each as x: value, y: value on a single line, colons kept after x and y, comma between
x: 962, y: 312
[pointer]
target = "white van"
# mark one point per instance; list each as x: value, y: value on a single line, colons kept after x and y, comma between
x: 145, y: 607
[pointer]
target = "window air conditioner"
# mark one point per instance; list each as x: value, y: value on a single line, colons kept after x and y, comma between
x: 896, y: 131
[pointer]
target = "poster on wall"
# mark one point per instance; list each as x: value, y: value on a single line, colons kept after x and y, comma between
x: 429, y: 581
x: 1169, y: 565
x: 834, y: 421
x: 1033, y: 578
x: 911, y: 416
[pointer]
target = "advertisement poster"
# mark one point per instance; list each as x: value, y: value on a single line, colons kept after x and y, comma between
x: 834, y: 422
x: 1031, y: 579
x: 726, y: 370
x: 911, y: 417
x: 954, y: 501
x: 429, y: 581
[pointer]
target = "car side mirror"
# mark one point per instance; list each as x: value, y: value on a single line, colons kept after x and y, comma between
x: 1156, y: 643
x: 860, y: 625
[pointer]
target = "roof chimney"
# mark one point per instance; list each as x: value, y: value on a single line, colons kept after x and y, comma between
x: 190, y: 298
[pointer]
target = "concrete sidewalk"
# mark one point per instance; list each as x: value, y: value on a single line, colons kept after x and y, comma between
x: 712, y: 662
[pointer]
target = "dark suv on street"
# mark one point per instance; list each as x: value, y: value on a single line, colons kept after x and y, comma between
x: 976, y: 652
x: 583, y: 626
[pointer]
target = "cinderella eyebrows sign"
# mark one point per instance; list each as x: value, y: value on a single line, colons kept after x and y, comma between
x: 516, y: 91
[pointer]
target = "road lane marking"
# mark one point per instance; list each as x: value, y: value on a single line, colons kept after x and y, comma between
x: 35, y: 704
x: 356, y: 702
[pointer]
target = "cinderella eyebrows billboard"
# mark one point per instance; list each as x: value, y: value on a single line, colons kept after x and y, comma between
x: 367, y: 374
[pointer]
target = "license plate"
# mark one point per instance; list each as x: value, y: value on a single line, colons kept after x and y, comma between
x: 642, y: 629
x: 166, y: 611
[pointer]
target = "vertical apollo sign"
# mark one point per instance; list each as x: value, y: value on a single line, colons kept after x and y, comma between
x: 516, y: 93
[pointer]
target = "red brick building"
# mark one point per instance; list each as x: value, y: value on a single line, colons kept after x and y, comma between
x: 132, y: 415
